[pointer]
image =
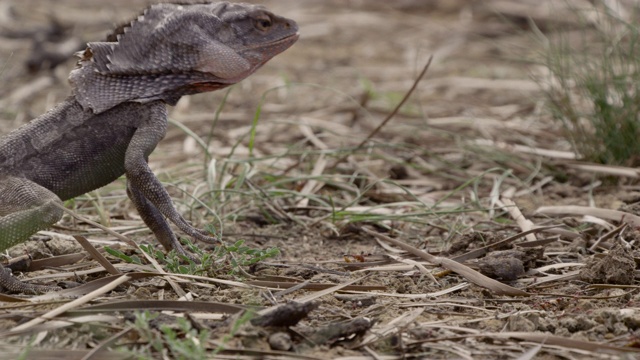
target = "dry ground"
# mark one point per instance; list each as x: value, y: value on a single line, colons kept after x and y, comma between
x: 464, y: 164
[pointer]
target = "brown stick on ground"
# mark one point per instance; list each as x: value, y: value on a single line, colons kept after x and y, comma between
x: 391, y: 114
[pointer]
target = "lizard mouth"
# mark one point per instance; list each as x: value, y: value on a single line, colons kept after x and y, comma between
x: 287, y: 39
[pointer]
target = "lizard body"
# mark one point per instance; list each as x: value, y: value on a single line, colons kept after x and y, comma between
x: 117, y: 115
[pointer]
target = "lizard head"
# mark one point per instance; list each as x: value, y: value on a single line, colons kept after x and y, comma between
x: 173, y: 50
x: 254, y: 34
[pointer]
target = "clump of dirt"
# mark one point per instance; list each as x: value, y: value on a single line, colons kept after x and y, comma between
x: 509, y: 264
x: 615, y: 267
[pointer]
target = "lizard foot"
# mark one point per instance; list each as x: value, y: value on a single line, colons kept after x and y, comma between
x: 9, y: 283
x: 197, y: 234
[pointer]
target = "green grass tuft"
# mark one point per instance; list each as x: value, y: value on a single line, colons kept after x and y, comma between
x: 594, y: 90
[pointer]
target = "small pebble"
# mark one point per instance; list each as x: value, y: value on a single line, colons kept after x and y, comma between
x: 280, y: 341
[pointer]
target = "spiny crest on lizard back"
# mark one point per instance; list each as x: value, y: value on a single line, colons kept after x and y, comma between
x: 173, y: 50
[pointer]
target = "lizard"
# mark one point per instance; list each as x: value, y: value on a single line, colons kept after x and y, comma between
x: 117, y: 113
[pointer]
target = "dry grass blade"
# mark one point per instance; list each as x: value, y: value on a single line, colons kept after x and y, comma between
x: 430, y: 295
x: 99, y: 283
x: 517, y: 215
x: 606, y: 169
x: 546, y: 339
x: 71, y: 305
x: 554, y: 154
x: 99, y: 226
x: 308, y: 133
x: 568, y: 276
x: 252, y: 354
x: 62, y: 354
x: 328, y: 291
x: 373, y: 354
x: 101, y: 348
x: 311, y: 286
x: 531, y: 353
x: 36, y: 85
x: 91, y: 286
x: 313, y: 185
x: 173, y: 305
x: 608, y: 236
x: 238, y: 284
x: 96, y: 255
x: 12, y: 299
x: 56, y: 261
x: 379, y: 332
x: 614, y: 215
x: 415, y: 264
x: 484, y: 250
x: 466, y: 272
x: 53, y: 325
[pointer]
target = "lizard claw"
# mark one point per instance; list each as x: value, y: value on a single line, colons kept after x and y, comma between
x: 196, y: 233
x: 205, y: 237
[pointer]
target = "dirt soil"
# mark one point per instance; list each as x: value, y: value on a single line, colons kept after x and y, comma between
x: 467, y: 162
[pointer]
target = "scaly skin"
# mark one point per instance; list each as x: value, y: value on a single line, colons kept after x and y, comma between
x: 117, y: 115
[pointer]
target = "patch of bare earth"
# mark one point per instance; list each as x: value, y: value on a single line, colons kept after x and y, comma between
x: 464, y: 228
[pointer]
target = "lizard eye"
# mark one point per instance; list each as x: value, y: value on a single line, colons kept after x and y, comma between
x: 263, y: 24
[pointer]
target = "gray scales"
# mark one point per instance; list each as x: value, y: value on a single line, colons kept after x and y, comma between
x: 117, y: 114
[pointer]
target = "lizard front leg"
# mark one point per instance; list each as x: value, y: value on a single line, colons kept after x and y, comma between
x: 154, y: 220
x: 25, y: 208
x: 146, y: 191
